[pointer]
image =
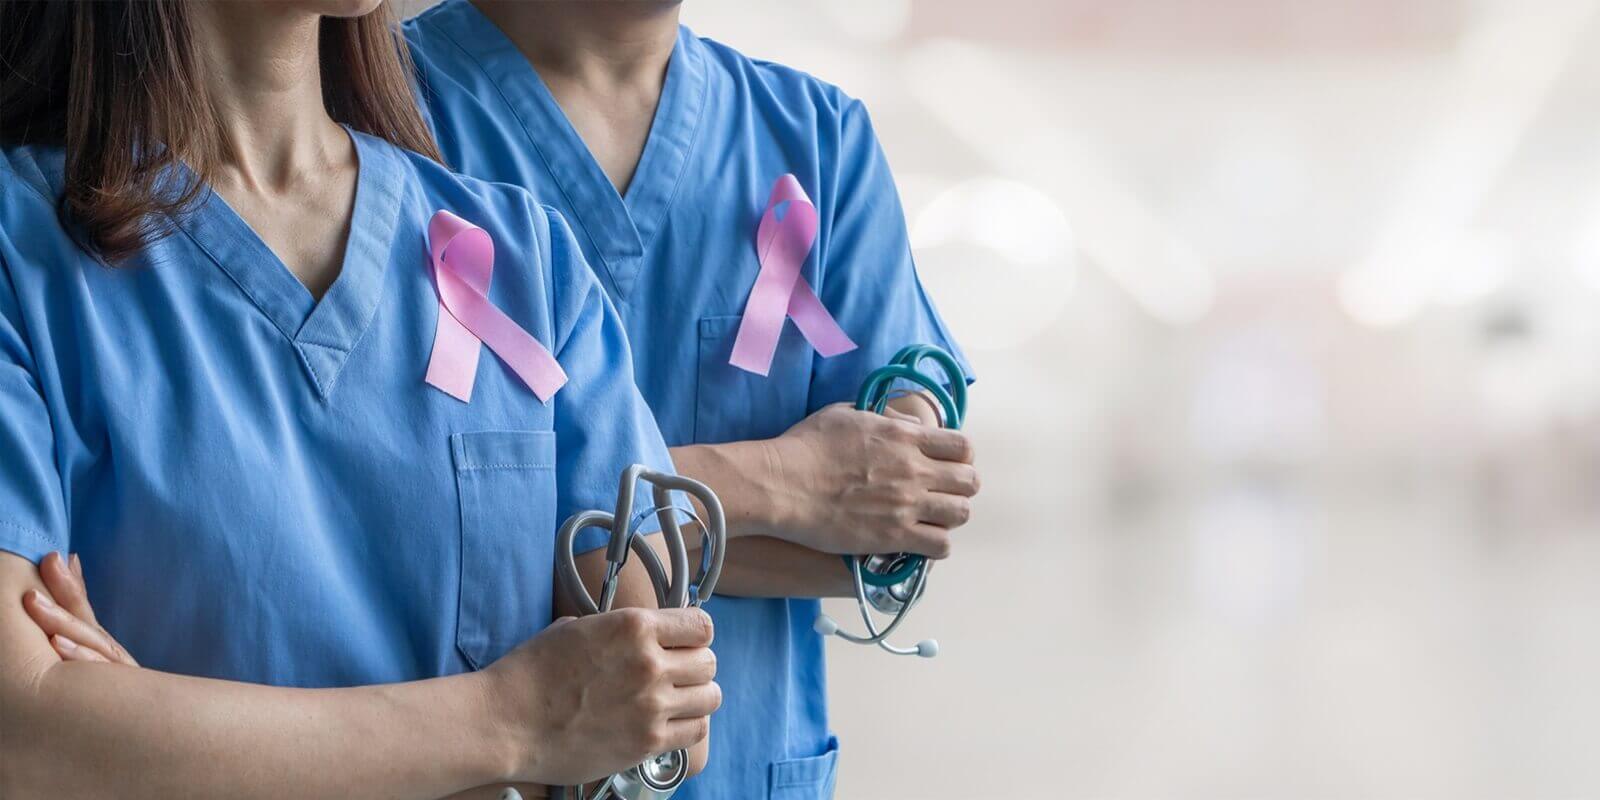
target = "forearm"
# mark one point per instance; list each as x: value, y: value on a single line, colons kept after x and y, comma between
x: 94, y: 730
x: 762, y: 566
x: 748, y: 477
x: 78, y: 729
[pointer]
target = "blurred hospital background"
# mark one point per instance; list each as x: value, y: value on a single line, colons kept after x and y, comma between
x: 1287, y: 320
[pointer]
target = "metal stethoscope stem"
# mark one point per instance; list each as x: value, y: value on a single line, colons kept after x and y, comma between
x: 659, y: 777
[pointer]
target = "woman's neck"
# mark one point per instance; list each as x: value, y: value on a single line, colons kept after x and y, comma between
x: 263, y: 72
x: 602, y: 44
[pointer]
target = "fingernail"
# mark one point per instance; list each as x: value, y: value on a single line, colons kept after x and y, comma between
x: 65, y: 644
x: 42, y: 599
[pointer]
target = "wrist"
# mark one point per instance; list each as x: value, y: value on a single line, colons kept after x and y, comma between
x: 750, y: 478
x: 787, y: 490
x: 504, y: 738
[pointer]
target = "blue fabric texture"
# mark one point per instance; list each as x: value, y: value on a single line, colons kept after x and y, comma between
x: 676, y: 253
x: 261, y: 486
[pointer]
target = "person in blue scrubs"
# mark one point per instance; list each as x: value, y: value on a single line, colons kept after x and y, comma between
x: 661, y: 148
x: 334, y: 574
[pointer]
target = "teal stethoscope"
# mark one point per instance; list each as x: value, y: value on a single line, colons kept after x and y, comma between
x: 893, y: 583
x: 659, y: 777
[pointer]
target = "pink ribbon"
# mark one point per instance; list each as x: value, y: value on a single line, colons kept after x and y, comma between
x: 463, y: 262
x: 780, y: 292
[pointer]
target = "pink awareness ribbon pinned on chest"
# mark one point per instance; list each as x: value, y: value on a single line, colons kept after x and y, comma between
x: 780, y: 292
x: 463, y: 263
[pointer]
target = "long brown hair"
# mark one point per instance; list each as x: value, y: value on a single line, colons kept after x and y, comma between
x: 118, y: 86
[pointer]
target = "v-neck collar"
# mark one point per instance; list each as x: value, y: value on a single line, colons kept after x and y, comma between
x: 323, y: 332
x: 621, y: 228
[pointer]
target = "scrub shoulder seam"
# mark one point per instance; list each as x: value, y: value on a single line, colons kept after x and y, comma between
x: 36, y: 535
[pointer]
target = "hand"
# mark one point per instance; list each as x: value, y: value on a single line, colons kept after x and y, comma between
x: 855, y: 482
x: 595, y: 695
x: 68, y: 620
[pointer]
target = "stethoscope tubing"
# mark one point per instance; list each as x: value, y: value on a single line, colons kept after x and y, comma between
x: 876, y: 636
x: 876, y: 391
x: 677, y: 589
x: 874, y: 396
x: 672, y: 590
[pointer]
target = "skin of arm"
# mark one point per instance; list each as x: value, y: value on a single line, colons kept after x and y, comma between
x: 78, y: 729
x: 77, y: 636
x: 80, y: 726
x: 768, y: 511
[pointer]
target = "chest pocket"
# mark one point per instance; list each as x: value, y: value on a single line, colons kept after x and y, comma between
x: 805, y: 778
x: 507, y: 485
x: 734, y: 405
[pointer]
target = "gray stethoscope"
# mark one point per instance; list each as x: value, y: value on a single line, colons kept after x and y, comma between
x: 658, y: 777
x: 893, y: 583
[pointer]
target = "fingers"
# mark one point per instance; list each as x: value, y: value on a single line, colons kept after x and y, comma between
x: 55, y: 622
x: 682, y: 734
x: 944, y: 510
x: 945, y: 445
x: 67, y: 587
x: 690, y: 667
x: 682, y: 627
x: 71, y: 651
x: 64, y: 581
x: 929, y: 540
x: 696, y: 701
x: 954, y: 478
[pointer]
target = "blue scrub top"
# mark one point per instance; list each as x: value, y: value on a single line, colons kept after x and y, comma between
x: 676, y: 253
x: 262, y: 487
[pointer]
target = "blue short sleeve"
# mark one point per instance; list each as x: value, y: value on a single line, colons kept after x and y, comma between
x: 869, y: 279
x: 603, y: 425
x: 32, y: 510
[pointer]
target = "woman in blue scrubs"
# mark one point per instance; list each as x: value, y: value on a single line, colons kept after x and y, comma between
x: 217, y: 314
x: 662, y: 149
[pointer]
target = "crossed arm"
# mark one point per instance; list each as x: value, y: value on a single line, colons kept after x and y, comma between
x: 567, y: 706
x: 841, y: 481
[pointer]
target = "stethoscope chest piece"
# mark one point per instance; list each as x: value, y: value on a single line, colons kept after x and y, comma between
x: 655, y: 779
x: 888, y: 598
